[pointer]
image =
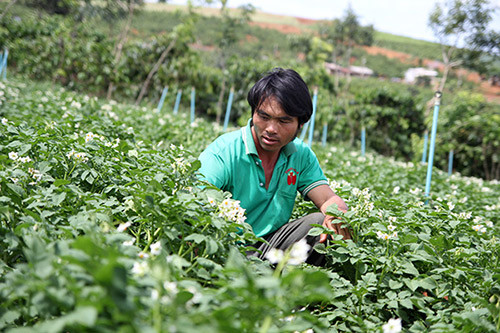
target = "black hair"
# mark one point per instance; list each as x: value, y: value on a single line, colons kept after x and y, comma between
x: 289, y: 89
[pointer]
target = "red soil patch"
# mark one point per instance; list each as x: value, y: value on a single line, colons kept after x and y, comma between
x: 401, y: 56
x: 306, y: 20
x: 284, y: 28
x: 251, y: 39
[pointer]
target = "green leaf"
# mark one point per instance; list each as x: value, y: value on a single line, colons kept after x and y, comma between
x: 60, y: 182
x: 17, y: 189
x: 408, y: 267
x: 197, y: 238
x: 57, y: 199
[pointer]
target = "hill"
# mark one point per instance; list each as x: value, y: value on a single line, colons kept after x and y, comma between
x: 407, y: 51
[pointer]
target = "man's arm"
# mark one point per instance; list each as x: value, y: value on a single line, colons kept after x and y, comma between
x: 323, y: 196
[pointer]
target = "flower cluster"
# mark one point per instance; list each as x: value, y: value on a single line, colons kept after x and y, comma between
x: 392, y: 326
x: 37, y: 176
x: 231, y: 210
x: 295, y: 255
x: 79, y: 157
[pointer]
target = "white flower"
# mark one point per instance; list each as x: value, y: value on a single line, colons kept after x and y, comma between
x: 156, y: 248
x: 140, y: 268
x: 75, y: 104
x: 356, y: 191
x: 123, y: 226
x: 392, y: 326
x: 416, y: 191
x: 463, y: 200
x: 464, y: 215
x: 89, y: 136
x: 170, y: 287
x: 5, y: 121
x: 299, y: 252
x: 478, y: 227
x: 129, y: 242
x: 155, y: 294
x: 143, y: 255
x: 450, y: 205
x: 13, y: 155
x: 274, y: 256
x: 392, y: 219
x: 396, y: 190
x: 211, y: 201
x: 25, y: 159
x: 489, y: 224
x: 391, y: 227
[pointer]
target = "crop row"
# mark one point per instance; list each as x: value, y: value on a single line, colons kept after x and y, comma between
x: 104, y: 226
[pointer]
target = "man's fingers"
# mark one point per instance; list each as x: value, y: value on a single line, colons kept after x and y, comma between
x: 322, y: 238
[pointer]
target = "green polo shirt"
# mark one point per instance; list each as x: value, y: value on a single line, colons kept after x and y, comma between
x: 232, y: 164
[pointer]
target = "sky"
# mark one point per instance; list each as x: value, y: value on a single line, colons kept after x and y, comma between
x: 400, y: 17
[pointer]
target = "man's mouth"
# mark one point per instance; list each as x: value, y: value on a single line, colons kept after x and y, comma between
x: 269, y: 140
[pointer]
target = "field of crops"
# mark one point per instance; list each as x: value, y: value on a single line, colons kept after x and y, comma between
x: 105, y: 228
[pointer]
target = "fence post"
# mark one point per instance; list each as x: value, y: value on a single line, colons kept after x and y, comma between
x: 437, y: 102
x: 426, y: 141
x: 228, y: 108
x: 363, y: 141
x: 193, y: 94
x: 311, y: 129
x: 177, y: 101
x: 304, y: 130
x: 162, y: 99
x: 325, y: 131
x: 450, y: 162
x: 4, y: 63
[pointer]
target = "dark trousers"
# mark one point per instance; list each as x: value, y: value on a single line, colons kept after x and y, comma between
x: 289, y: 234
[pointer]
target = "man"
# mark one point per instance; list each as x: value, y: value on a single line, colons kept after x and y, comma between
x: 264, y: 165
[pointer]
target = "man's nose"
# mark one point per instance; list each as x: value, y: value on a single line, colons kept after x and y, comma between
x: 272, y: 127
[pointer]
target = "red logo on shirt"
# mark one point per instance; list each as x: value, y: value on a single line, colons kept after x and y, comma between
x: 291, y: 176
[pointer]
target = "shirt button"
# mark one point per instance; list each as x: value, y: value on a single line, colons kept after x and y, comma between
x: 261, y: 184
x: 257, y: 163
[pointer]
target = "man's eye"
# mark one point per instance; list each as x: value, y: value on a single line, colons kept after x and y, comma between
x: 285, y: 121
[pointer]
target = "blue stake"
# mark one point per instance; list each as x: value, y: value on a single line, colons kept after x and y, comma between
x: 426, y: 141
x: 311, y: 129
x: 177, y: 101
x: 304, y: 130
x: 363, y: 141
x: 228, y: 108
x: 193, y: 93
x: 323, y: 138
x: 4, y: 64
x: 1, y: 62
x: 162, y: 99
x: 450, y: 163
x: 437, y: 97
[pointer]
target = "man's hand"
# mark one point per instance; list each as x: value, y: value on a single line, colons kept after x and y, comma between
x: 336, y: 227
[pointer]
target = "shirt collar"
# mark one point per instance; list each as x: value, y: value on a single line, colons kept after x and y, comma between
x: 246, y: 133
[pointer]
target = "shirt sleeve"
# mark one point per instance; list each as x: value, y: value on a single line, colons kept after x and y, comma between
x: 311, y: 174
x: 213, y: 167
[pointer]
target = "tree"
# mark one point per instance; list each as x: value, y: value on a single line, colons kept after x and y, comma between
x: 344, y: 34
x: 230, y: 25
x: 463, y: 23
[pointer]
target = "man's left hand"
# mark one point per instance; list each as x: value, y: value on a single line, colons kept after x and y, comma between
x: 336, y: 227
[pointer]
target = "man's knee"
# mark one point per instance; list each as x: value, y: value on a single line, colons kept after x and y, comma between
x: 314, y: 218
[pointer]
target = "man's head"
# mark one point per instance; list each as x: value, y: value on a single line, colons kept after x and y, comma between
x: 287, y: 88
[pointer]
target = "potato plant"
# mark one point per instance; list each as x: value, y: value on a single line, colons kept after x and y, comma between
x: 105, y: 227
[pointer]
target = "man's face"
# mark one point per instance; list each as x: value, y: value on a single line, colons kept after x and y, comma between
x: 272, y: 127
